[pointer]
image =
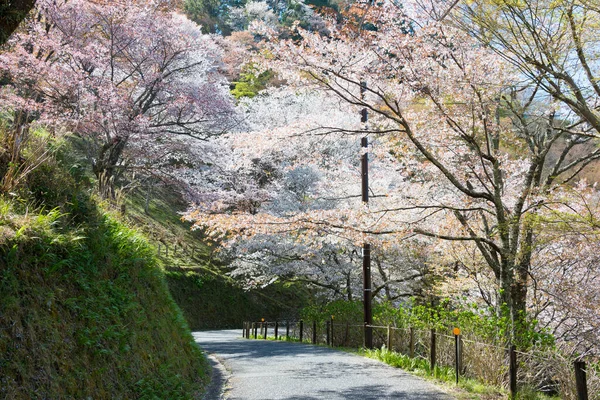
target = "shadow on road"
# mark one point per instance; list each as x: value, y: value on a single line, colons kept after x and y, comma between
x: 368, y: 392
x: 263, y: 349
x: 269, y: 370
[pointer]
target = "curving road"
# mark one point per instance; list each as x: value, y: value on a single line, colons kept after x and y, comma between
x: 265, y: 370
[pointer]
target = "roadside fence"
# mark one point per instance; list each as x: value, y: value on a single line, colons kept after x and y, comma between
x: 494, y: 364
x: 174, y: 249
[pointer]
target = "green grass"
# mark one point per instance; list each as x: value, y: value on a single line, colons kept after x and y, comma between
x: 466, y: 389
x: 85, y: 311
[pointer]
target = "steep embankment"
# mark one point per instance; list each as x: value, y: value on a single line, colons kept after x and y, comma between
x: 197, y: 278
x: 211, y: 301
x: 86, y: 313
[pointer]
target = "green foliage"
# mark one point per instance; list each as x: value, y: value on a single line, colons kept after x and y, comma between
x: 211, y: 14
x: 86, y: 311
x: 251, y: 82
x: 478, y: 323
x: 195, y: 9
x: 398, y: 360
x: 341, y: 310
x: 38, y: 167
x: 484, y: 324
x: 168, y: 384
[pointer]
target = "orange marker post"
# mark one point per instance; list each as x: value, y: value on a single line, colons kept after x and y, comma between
x: 456, y: 332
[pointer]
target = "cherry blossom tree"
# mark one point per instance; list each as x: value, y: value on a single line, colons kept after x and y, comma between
x: 134, y: 82
x: 276, y: 198
x: 564, y: 273
x: 495, y: 154
x: 552, y: 44
x: 477, y: 155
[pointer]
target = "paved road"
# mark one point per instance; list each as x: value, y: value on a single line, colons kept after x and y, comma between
x: 268, y: 370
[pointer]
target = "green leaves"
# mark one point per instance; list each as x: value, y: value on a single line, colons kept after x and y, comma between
x: 251, y: 82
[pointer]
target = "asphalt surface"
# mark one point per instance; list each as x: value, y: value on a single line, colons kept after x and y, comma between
x: 265, y: 370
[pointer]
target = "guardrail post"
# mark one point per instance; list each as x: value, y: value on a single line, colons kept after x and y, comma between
x: 432, y: 352
x: 331, y: 340
x: 411, y: 348
x: 347, y: 333
x: 512, y: 370
x: 581, y: 380
x: 389, y: 338
x: 301, y: 327
x: 314, y: 333
x: 456, y: 355
x: 461, y: 354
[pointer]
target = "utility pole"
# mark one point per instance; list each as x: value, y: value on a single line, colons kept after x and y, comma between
x: 364, y: 163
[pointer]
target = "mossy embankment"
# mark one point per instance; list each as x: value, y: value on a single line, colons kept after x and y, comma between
x: 197, y: 279
x: 85, y: 311
x: 211, y: 301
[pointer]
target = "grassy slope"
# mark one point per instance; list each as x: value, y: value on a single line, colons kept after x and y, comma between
x: 85, y: 308
x: 208, y: 298
x: 85, y: 312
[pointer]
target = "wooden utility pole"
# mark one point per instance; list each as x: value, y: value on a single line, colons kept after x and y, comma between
x: 364, y: 163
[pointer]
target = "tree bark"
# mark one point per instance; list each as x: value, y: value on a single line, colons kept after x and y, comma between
x: 105, y: 166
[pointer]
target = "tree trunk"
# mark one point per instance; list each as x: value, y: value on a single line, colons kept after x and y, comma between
x: 106, y: 164
x: 513, y: 301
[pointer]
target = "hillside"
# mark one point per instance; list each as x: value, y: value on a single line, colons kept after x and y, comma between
x: 196, y: 276
x: 85, y: 311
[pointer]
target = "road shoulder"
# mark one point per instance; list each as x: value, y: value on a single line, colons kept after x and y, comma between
x: 219, y: 380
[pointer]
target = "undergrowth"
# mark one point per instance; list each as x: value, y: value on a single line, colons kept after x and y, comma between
x: 86, y: 313
x: 466, y: 389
